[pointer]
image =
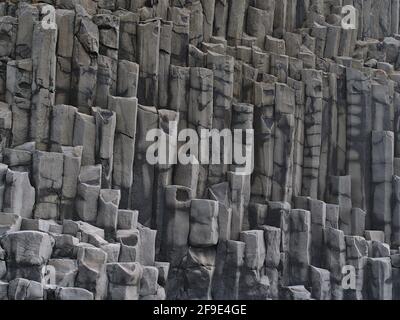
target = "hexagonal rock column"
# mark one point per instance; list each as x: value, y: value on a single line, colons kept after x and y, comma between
x: 223, y: 74
x: 264, y: 126
x: 30, y: 249
x: 382, y: 175
x: 254, y: 284
x: 107, y: 215
x: 175, y: 234
x: 72, y: 167
x: 105, y: 130
x: 84, y: 61
x: 180, y: 35
x: 164, y: 173
x: 48, y: 172
x: 283, y: 143
x: 65, y: 20
x: 19, y: 97
x: 123, y: 280
x: 92, y: 271
x: 379, y: 273
x: 229, y: 262
x: 340, y: 194
x: 356, y: 255
x: 358, y: 153
x: 143, y: 171
x: 19, y: 195
x: 88, y: 190
x: 43, y: 84
x: 335, y: 260
x: 299, y: 246
x: 312, y: 135
x: 148, y: 59
x: 125, y: 110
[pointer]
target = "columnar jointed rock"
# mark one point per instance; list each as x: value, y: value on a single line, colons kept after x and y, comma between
x: 92, y: 92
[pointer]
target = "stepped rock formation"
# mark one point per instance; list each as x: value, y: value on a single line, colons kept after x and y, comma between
x: 85, y: 215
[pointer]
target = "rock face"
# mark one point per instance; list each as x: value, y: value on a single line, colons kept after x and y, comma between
x: 84, y: 213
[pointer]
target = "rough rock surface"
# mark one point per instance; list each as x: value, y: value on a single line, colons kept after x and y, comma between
x: 84, y: 215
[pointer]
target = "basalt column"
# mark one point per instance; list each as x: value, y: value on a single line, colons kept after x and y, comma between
x: 358, y: 155
x: 312, y: 136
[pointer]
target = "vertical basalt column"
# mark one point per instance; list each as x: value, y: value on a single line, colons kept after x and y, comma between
x: 108, y: 57
x: 382, y: 175
x: 358, y: 155
x: 236, y: 18
x: 260, y: 23
x: 380, y: 16
x: 254, y: 284
x: 5, y: 128
x: 264, y: 126
x: 62, y: 127
x: 339, y: 157
x: 379, y: 273
x: 319, y: 32
x: 328, y: 133
x: 196, y: 22
x: 229, y: 263
x: 148, y: 59
x: 163, y: 177
x: 107, y: 215
x: 280, y: 18
x: 335, y: 259
x: 250, y: 76
x: 223, y: 71
x: 72, y: 166
x: 299, y: 88
x: 208, y: 18
x: 200, y: 117
x: 356, y: 256
x: 48, y: 168
x: 179, y: 93
x: 340, y: 194
x: 87, y: 193
x: 43, y: 83
x: 239, y: 199
x: 291, y: 15
x: 220, y: 24
x: 143, y: 172
x: 126, y: 110
x: 284, y: 143
x: 312, y: 135
x: 84, y: 61
x: 65, y: 22
x: 180, y: 35
x: 382, y: 107
x: 127, y: 35
x: 299, y: 246
x: 19, y: 93
x: 278, y: 216
x: 272, y: 238
x: 27, y: 15
x: 318, y: 212
x: 396, y: 211
x: 8, y: 32
x: 164, y: 63
x: 85, y: 135
x: 128, y: 79
x: 243, y: 165
x: 175, y: 234
x: 105, y: 121
x: 280, y: 66
x: 332, y: 41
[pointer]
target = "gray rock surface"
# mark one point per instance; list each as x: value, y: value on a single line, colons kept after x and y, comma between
x: 84, y: 215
